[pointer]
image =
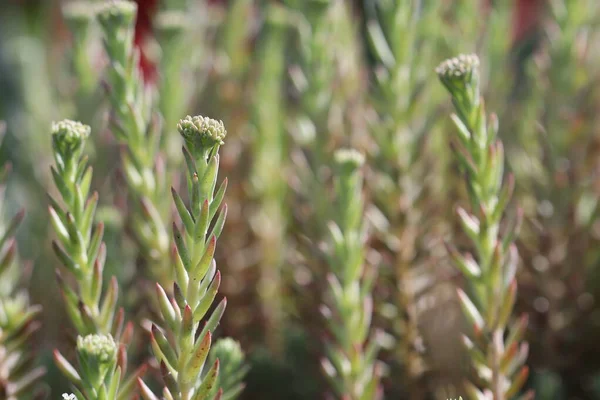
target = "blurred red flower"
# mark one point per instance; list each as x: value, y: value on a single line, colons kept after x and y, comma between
x: 143, y: 29
x: 527, y: 16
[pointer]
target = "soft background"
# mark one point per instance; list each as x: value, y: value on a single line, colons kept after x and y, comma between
x: 540, y: 65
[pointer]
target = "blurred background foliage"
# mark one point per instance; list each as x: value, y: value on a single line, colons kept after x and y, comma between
x: 294, y: 80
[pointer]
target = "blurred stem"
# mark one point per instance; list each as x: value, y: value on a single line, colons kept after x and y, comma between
x: 351, y: 363
x: 135, y: 124
x: 269, y: 183
x: 235, y: 36
x: 491, y: 275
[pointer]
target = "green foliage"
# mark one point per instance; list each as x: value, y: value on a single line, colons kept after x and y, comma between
x: 351, y: 363
x: 92, y: 310
x: 294, y: 81
x: 99, y: 375
x: 79, y: 16
x: 79, y: 246
x: 497, y: 358
x: 181, y: 351
x: 135, y: 123
x: 232, y: 367
x: 269, y: 187
x: 18, y: 318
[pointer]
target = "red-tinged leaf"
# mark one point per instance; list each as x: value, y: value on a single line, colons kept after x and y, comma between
x: 508, y: 356
x: 208, y: 383
x: 66, y: 368
x: 127, y: 335
x: 145, y: 391
x: 470, y: 310
x: 128, y: 386
x: 517, y: 330
x: 518, y: 382
x: 122, y: 358
x: 199, y: 355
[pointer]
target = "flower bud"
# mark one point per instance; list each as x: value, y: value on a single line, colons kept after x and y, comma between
x: 78, y: 15
x: 117, y: 14
x: 458, y: 68
x: 460, y: 75
x: 97, y: 355
x: 68, y: 138
x: 348, y: 160
x: 201, y: 134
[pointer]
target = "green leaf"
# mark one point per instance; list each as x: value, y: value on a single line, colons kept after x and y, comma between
x: 218, y: 227
x: 114, y: 384
x: 162, y: 349
x: 465, y: 264
x: 216, y: 202
x: 127, y: 387
x: 63, y: 189
x: 198, y: 272
x: 108, y: 309
x: 182, y: 250
x: 184, y: 214
x: 66, y: 260
x: 201, y: 227
x: 208, y: 298
x: 208, y: 382
x: 12, y: 227
x: 470, y: 311
x: 215, y: 318
x: 66, y: 368
x: 379, y: 44
x: 169, y: 379
x: 209, y: 179
x: 95, y: 242
x: 166, y: 309
x: 194, y: 367
x: 87, y: 218
x: 59, y: 226
x: 145, y: 391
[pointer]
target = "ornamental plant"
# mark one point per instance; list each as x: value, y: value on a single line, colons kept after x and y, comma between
x: 302, y: 78
x: 79, y: 16
x: 136, y: 125
x: 174, y: 26
x: 99, y: 375
x: 351, y: 363
x: 19, y: 377
x: 79, y: 247
x: 494, y: 341
x: 400, y: 97
x: 182, y: 343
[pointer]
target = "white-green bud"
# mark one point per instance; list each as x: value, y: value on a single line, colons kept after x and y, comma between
x: 460, y: 75
x: 97, y: 349
x: 97, y: 356
x: 460, y: 67
x: 201, y: 133
x: 68, y: 137
x: 116, y: 14
x: 78, y: 15
x: 348, y: 160
x: 69, y: 396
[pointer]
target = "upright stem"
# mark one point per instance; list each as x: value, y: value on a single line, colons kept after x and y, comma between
x: 497, y: 376
x: 489, y: 303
